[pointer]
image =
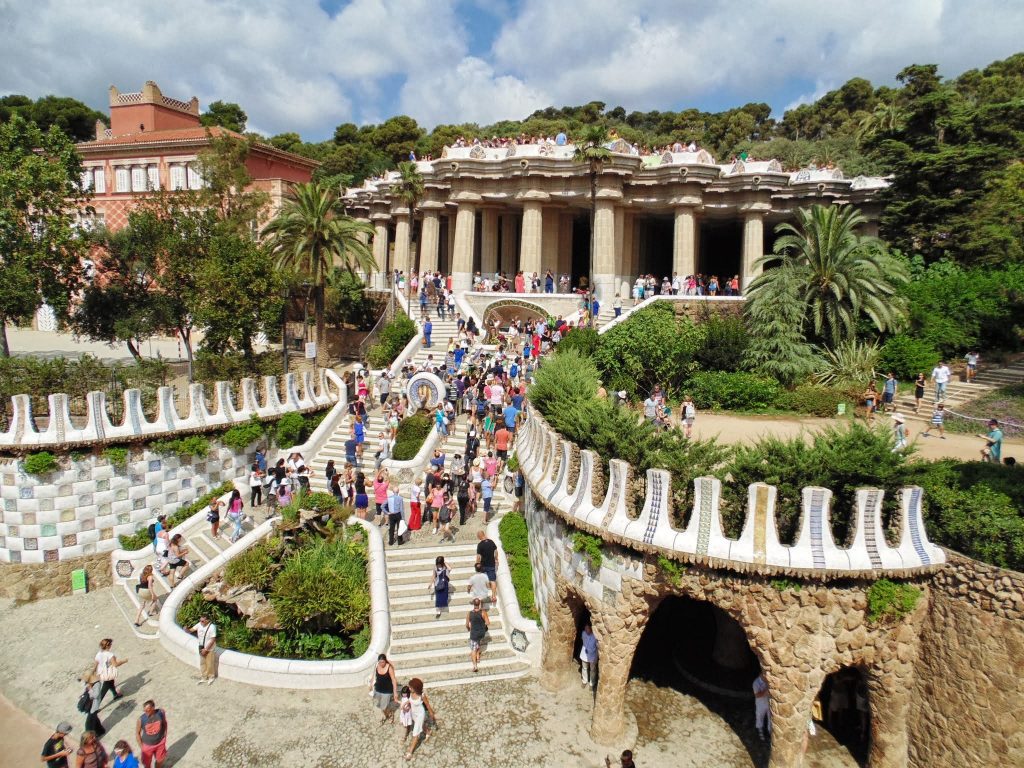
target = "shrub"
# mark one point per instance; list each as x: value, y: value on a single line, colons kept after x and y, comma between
x: 849, y: 364
x: 289, y: 430
x: 672, y: 570
x: 732, y: 391
x: 322, y: 587
x: 116, y: 455
x: 515, y: 544
x: 321, y: 502
x: 254, y: 567
x: 412, y: 431
x: 590, y: 546
x: 724, y: 345
x: 906, y: 356
x: 890, y: 601
x: 140, y: 539
x: 241, y: 436
x: 392, y: 340
x: 786, y: 585
x: 812, y: 399
x: 582, y: 340
x: 209, y: 367
x: 39, y: 463
x: 193, y: 445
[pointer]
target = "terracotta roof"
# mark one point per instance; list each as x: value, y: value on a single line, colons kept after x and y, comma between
x: 196, y: 135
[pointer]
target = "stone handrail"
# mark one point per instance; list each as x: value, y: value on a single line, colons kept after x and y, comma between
x: 283, y: 673
x: 547, y: 460
x: 512, y: 618
x: 61, y: 431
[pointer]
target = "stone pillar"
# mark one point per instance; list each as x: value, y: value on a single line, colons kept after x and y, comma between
x: 604, y: 251
x: 509, y: 227
x: 450, y: 245
x: 684, y: 243
x: 890, y: 685
x: 402, y: 241
x: 489, y: 241
x: 364, y: 238
x: 462, y: 259
x: 620, y: 252
x: 565, y: 245
x: 550, y: 240
x: 557, y: 666
x: 753, y: 247
x: 629, y: 269
x: 618, y: 630
x: 531, y: 238
x: 430, y: 236
x: 791, y: 694
x: 380, y: 249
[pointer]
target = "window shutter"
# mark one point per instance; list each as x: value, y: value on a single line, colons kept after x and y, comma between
x: 138, y: 179
x: 177, y: 177
x: 122, y: 180
x: 86, y: 183
x: 100, y: 180
x: 195, y: 181
x: 154, y: 176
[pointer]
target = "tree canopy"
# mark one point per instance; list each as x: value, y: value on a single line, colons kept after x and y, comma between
x: 74, y: 119
x: 225, y: 114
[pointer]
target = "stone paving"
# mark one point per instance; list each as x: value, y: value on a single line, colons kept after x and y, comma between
x: 510, y: 722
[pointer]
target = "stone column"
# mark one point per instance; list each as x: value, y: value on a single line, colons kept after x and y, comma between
x: 508, y: 243
x: 890, y: 685
x: 402, y: 240
x: 753, y: 247
x: 462, y: 259
x: 684, y: 243
x: 620, y: 251
x: 604, y: 251
x: 565, y: 245
x: 489, y: 241
x: 430, y: 236
x: 618, y: 630
x: 380, y: 249
x: 532, y: 233
x: 450, y: 246
x: 557, y: 666
x: 364, y: 238
x: 550, y: 240
x: 791, y: 693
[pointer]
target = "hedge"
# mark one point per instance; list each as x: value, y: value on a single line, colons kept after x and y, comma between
x: 732, y: 391
x: 412, y: 431
x: 515, y: 544
x: 140, y: 539
x: 393, y: 338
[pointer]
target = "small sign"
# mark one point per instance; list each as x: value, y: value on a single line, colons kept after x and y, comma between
x: 841, y: 409
x: 78, y: 585
x: 311, y: 350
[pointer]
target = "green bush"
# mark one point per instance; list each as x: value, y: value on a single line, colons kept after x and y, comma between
x: 393, y: 338
x: 812, y: 399
x: 786, y: 585
x: 714, y: 390
x: 289, y: 430
x: 515, y: 544
x: 321, y: 502
x: 116, y: 455
x: 724, y: 345
x: 907, y: 356
x: 241, y: 436
x: 254, y: 567
x: 889, y: 601
x: 193, y: 445
x: 39, y: 463
x: 850, y: 364
x: 590, y: 547
x: 672, y: 570
x: 322, y: 587
x: 140, y: 539
x: 582, y: 340
x: 209, y: 367
x: 412, y: 431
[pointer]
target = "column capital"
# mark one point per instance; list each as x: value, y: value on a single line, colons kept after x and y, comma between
x: 532, y: 196
x: 466, y: 197
x: 431, y: 206
x: 686, y: 201
x: 755, y: 209
x: 380, y: 218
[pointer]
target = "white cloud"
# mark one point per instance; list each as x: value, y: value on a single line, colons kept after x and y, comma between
x: 294, y: 67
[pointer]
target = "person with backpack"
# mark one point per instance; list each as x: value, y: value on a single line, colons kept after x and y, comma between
x: 477, y: 622
x: 151, y: 734
x: 440, y: 580
x: 89, y: 703
x: 154, y: 529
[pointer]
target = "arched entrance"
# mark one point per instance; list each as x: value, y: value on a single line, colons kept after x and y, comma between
x: 846, y: 710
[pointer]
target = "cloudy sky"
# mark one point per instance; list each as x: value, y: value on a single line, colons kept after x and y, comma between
x: 304, y: 65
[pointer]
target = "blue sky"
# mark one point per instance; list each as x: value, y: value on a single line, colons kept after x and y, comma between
x: 308, y: 65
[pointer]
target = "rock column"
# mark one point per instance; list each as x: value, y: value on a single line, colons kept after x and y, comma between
x: 380, y: 248
x: 465, y: 235
x: 489, y: 242
x: 430, y: 240
x: 532, y: 233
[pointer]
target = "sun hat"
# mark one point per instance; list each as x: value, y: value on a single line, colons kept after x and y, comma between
x: 898, y: 417
x: 63, y: 727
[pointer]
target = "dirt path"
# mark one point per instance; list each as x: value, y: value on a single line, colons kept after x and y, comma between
x: 748, y: 429
x: 22, y: 736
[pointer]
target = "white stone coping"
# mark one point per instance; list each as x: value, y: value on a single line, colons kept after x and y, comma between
x: 626, y: 312
x: 512, y: 618
x: 283, y: 673
x: 417, y: 462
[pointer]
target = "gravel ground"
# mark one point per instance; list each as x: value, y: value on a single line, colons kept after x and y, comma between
x: 47, y: 644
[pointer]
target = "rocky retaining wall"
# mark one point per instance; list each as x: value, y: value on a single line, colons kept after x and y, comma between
x: 35, y: 581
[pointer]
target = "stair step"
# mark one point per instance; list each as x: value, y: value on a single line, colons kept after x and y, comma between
x: 427, y: 625
x: 426, y: 614
x: 401, y: 602
x: 507, y: 672
x: 461, y: 669
x: 448, y: 656
x: 452, y: 550
x: 455, y: 638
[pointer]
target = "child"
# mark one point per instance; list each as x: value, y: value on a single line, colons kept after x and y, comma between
x: 405, y: 711
x: 938, y: 418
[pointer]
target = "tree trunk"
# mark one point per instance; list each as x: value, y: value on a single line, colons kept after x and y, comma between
x: 133, y: 348
x: 593, y: 240
x: 5, y: 349
x: 320, y: 324
x: 186, y: 339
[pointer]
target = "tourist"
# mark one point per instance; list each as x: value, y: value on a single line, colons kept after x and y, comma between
x: 206, y: 633
x: 380, y: 495
x: 651, y: 408
x: 384, y: 688
x: 428, y: 328
x: 688, y: 414
x: 416, y: 503
x: 336, y: 489
x: 362, y: 500
x: 549, y: 282
x: 919, y: 384
x: 123, y: 757
x: 462, y: 495
x: 940, y: 376
x: 91, y: 753
x: 386, y: 444
x: 625, y: 760
x: 93, y: 688
x: 437, y: 502
x: 971, y: 358
x: 447, y: 513
x: 889, y: 389
x: 938, y: 420
x: 396, y: 508
x: 284, y: 493
x: 487, y: 494
x: 159, y: 532
x: 235, y: 514
x: 440, y: 584
x: 993, y: 450
x: 762, y: 716
x: 146, y: 593
x: 899, y: 433
x: 106, y: 664
x: 151, y: 734
x: 477, y: 622
x: 870, y: 399
x: 588, y: 656
x: 487, y: 557
x: 255, y: 485
x: 56, y: 751
x: 479, y: 587
x: 359, y: 435
x: 421, y: 707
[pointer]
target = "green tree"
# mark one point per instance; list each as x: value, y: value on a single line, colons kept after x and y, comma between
x: 225, y: 114
x: 843, y: 276
x: 775, y: 316
x: 40, y: 247
x: 591, y: 151
x: 409, y: 189
x: 75, y: 119
x: 311, y: 234
x: 396, y: 137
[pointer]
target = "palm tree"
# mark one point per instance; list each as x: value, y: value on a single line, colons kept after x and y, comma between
x: 312, y: 233
x: 591, y: 150
x: 841, y: 275
x: 886, y: 118
x: 409, y: 190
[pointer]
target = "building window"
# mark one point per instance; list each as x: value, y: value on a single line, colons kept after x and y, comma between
x: 86, y: 183
x: 154, y: 176
x: 139, y: 179
x: 177, y: 177
x: 122, y: 180
x: 195, y: 181
x: 99, y: 178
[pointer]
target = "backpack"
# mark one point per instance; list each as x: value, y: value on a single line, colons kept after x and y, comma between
x: 441, y: 580
x: 151, y: 531
x: 85, y: 702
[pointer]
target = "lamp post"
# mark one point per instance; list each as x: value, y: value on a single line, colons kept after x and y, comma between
x: 305, y: 321
x: 286, y: 294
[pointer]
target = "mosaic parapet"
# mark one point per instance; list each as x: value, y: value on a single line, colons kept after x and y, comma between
x: 97, y: 427
x: 546, y: 460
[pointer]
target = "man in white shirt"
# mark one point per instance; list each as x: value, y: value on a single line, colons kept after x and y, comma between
x: 941, y: 376
x: 479, y: 586
x: 588, y: 656
x: 206, y: 633
x: 762, y: 716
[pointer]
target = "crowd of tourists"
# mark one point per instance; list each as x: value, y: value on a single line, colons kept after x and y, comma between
x: 699, y: 284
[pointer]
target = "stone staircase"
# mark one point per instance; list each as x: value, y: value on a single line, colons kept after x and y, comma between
x: 959, y: 392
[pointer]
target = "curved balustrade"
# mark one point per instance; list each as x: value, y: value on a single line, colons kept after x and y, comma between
x: 98, y: 428
x: 547, y: 461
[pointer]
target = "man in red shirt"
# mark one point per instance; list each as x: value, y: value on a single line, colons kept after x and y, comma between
x: 502, y: 438
x: 151, y: 733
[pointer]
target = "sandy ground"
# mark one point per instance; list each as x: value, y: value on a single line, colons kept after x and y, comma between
x: 47, y: 644
x: 44, y: 344
x: 748, y: 429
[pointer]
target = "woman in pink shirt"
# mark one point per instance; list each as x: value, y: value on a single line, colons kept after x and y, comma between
x: 380, y: 494
x: 436, y: 501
